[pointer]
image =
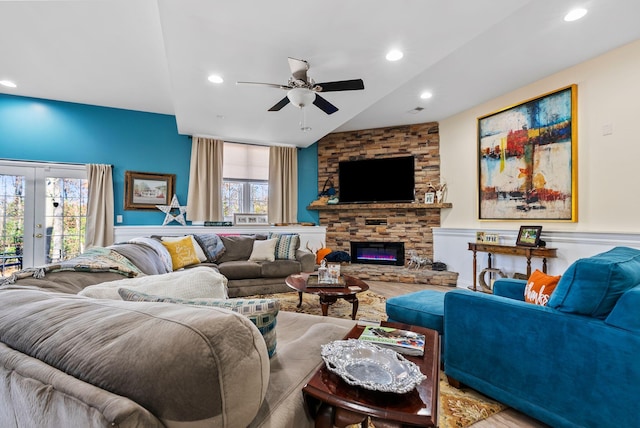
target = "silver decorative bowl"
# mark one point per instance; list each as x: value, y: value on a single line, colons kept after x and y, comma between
x: 371, y: 367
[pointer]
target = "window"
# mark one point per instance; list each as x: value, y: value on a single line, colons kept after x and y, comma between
x: 245, y: 187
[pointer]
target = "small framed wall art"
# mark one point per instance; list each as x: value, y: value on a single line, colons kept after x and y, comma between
x: 145, y: 190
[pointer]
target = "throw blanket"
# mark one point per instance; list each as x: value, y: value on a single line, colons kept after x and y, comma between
x: 95, y: 259
x: 198, y: 282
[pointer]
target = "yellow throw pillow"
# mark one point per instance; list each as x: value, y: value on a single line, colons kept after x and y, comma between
x: 182, y: 252
x: 539, y: 288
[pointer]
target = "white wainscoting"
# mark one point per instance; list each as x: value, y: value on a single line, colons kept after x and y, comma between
x: 450, y: 246
x: 314, y: 236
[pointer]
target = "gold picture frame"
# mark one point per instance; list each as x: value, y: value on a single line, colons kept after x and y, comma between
x: 145, y: 190
x: 528, y: 160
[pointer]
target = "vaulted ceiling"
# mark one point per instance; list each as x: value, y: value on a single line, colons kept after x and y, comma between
x: 156, y: 56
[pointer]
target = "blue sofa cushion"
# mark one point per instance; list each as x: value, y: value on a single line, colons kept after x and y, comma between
x: 423, y: 308
x: 625, y: 312
x: 592, y: 286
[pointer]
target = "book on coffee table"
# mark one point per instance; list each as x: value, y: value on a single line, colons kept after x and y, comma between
x: 402, y: 341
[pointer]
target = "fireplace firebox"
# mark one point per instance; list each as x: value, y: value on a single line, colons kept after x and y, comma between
x: 380, y: 253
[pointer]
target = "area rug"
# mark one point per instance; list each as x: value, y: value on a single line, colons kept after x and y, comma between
x: 458, y: 408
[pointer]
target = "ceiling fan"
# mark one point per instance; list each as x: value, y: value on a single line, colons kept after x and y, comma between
x: 303, y: 91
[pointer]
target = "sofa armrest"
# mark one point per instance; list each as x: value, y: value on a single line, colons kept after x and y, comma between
x: 564, y: 369
x: 509, y: 287
x: 307, y: 260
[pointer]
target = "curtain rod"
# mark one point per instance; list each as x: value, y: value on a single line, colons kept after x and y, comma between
x: 48, y: 162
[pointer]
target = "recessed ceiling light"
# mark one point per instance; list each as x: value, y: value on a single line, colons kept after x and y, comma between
x: 394, y: 55
x: 575, y: 14
x: 426, y: 95
x: 8, y: 84
x: 214, y: 78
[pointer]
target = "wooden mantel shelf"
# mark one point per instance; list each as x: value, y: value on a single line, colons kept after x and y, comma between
x: 381, y: 206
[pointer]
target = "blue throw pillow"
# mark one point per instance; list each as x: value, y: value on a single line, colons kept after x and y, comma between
x: 261, y: 312
x: 211, y: 245
x: 592, y: 286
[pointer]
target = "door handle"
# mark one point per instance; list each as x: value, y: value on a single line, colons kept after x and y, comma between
x: 39, y: 235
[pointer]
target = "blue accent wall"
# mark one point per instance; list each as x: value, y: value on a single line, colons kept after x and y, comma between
x: 308, y: 183
x: 54, y: 131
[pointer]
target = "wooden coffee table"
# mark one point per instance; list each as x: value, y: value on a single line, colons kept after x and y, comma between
x: 329, y: 295
x: 333, y: 402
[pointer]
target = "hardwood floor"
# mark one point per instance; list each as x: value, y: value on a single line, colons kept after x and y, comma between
x: 507, y: 419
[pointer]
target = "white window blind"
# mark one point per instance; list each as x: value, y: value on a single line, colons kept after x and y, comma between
x: 245, y: 162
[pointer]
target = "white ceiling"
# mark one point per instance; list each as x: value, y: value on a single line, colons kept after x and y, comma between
x: 156, y: 55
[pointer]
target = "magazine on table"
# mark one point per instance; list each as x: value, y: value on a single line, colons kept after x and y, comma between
x: 402, y: 341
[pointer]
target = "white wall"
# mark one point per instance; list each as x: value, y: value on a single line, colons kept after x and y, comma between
x: 608, y: 166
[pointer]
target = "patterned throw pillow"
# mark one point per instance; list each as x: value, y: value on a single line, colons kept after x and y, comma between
x: 212, y: 246
x: 182, y: 252
x: 261, y: 312
x: 539, y: 288
x: 286, y: 246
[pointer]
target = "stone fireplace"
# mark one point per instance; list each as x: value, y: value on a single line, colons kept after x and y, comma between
x: 408, y: 223
x: 378, y: 253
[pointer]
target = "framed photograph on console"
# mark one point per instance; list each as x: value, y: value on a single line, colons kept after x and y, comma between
x: 527, y: 160
x: 529, y: 236
x: 250, y: 219
x: 145, y: 190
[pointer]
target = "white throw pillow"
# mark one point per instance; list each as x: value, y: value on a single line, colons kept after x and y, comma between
x: 264, y: 250
x: 199, y: 251
x: 191, y: 283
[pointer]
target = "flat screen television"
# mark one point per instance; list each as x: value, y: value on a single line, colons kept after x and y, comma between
x: 377, y: 180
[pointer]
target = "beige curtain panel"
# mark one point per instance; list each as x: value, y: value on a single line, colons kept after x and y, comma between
x: 204, y: 200
x: 283, y: 185
x: 99, y: 231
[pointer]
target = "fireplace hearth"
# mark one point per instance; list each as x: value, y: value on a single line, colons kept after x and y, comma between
x: 380, y: 253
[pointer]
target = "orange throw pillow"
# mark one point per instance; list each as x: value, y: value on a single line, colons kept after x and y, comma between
x: 321, y: 254
x: 539, y: 288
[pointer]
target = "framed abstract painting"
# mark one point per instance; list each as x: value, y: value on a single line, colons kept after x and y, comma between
x: 527, y: 160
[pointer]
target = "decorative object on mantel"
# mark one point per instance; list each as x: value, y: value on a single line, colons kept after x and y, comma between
x: 441, y: 191
x: 430, y: 198
x: 328, y: 188
x: 169, y: 216
x: 322, y: 200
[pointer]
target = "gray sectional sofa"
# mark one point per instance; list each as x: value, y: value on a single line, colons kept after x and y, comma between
x: 71, y: 360
x: 231, y: 256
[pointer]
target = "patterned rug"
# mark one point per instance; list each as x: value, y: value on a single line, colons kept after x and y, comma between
x: 459, y: 408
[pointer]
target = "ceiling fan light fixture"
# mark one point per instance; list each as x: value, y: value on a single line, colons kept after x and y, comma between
x: 301, y: 97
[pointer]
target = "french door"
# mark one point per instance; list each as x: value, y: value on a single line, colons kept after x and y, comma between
x: 43, y: 209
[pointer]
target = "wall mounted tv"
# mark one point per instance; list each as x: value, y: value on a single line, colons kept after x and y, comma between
x: 377, y: 180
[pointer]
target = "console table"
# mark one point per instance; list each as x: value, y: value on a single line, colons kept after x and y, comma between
x: 512, y: 250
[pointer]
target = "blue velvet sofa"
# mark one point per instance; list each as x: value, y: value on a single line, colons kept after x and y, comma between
x: 572, y: 363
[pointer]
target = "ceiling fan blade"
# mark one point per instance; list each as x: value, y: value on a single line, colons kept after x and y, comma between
x: 273, y: 85
x: 283, y: 102
x: 342, y: 85
x: 299, y: 69
x: 324, y: 105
